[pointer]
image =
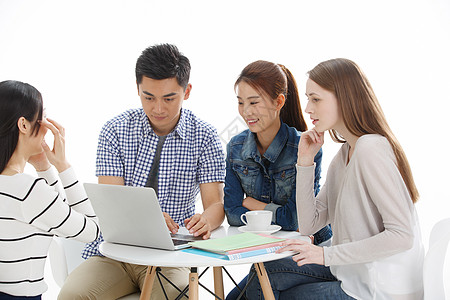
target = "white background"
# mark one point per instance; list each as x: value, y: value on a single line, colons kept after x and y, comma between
x: 81, y: 56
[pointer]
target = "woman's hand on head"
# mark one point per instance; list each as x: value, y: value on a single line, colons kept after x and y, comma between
x: 307, y: 253
x: 310, y: 143
x: 57, y: 155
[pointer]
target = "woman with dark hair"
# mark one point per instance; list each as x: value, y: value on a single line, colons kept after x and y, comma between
x: 260, y: 164
x: 368, y: 199
x: 33, y: 210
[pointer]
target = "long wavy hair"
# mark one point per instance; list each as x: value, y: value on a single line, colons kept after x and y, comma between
x: 361, y: 111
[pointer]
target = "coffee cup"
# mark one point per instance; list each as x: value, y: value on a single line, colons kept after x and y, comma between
x: 257, y: 219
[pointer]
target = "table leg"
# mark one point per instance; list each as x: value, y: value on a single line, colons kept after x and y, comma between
x: 148, y: 283
x: 264, y: 281
x: 193, y: 284
x: 218, y: 282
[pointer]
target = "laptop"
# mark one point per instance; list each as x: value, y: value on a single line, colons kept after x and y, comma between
x: 132, y: 216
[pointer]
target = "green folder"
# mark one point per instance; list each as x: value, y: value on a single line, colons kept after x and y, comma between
x: 233, y: 242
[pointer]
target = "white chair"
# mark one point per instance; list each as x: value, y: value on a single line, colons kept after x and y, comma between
x: 434, y: 263
x: 64, y: 256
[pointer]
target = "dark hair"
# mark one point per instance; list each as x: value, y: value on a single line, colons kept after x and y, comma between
x: 161, y: 62
x: 272, y: 80
x: 360, y: 109
x: 17, y: 99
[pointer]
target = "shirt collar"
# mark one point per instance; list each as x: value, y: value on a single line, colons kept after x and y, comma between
x: 146, y: 127
x: 249, y: 149
x: 180, y: 128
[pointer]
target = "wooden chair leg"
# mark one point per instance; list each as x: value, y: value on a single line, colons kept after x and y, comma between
x: 146, y: 292
x: 264, y: 281
x: 193, y: 284
x: 218, y: 282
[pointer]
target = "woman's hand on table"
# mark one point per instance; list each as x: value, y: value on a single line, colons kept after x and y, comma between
x: 307, y: 253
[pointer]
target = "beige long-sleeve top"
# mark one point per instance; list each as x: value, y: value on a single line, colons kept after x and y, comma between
x: 376, y: 250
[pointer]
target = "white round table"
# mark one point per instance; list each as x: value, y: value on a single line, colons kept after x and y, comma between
x: 165, y: 258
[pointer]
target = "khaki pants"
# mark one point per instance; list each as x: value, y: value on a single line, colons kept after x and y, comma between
x: 104, y: 278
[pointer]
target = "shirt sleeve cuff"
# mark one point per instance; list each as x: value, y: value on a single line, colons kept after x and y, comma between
x: 116, y: 172
x: 273, y: 208
x: 327, y: 254
x: 305, y: 176
x: 50, y: 175
x: 302, y: 169
x: 68, y: 175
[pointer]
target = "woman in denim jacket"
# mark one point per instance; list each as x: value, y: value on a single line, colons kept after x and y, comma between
x: 260, y: 165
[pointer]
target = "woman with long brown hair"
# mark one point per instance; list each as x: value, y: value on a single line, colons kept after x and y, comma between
x: 368, y: 198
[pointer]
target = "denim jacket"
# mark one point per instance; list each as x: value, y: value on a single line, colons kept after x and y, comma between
x: 270, y: 178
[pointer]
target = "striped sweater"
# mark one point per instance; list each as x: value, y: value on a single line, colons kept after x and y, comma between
x: 32, y: 211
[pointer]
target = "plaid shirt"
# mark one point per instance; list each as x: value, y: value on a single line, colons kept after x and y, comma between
x: 192, y: 154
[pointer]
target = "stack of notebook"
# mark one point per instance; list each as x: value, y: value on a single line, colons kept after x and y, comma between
x: 236, y: 246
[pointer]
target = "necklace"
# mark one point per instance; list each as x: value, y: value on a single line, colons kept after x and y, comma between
x: 13, y: 169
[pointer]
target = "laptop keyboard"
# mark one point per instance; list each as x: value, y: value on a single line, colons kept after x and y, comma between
x: 181, y: 239
x: 177, y: 242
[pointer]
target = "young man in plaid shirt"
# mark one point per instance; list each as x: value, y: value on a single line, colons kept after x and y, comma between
x: 163, y: 146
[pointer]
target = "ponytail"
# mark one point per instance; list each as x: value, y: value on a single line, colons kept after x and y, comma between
x: 291, y: 113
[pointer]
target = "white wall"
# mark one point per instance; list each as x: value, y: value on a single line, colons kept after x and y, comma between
x: 81, y: 56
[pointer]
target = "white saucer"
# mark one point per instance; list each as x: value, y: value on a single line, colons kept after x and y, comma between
x: 269, y: 230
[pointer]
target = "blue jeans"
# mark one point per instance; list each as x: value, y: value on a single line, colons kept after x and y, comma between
x: 290, y: 281
x: 4, y: 296
x: 322, y: 236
